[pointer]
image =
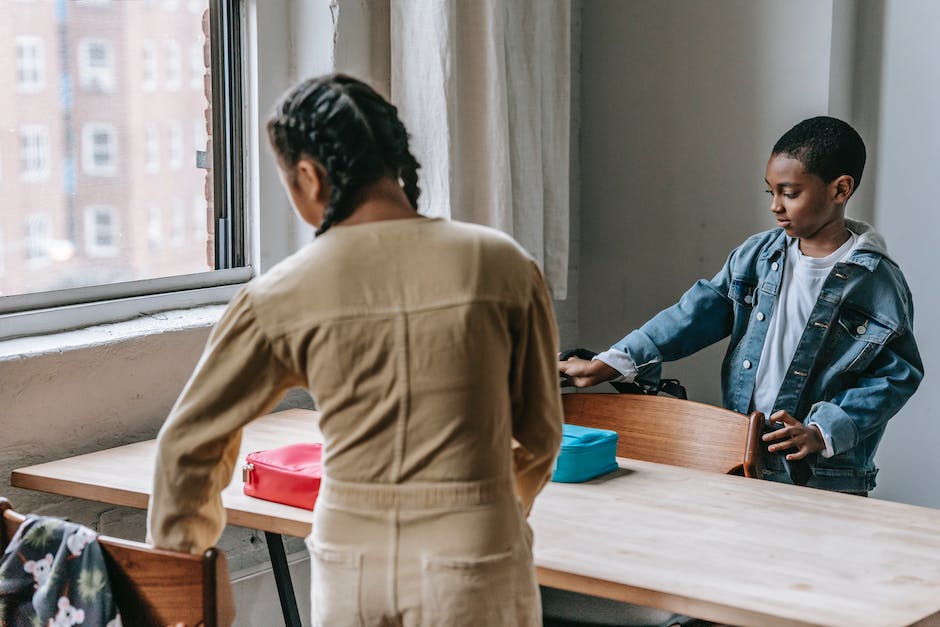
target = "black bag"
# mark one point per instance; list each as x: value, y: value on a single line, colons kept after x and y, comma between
x: 672, y: 387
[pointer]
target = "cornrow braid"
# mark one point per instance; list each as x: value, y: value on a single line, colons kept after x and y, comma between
x: 352, y: 131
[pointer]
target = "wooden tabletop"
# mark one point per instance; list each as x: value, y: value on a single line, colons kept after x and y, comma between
x: 728, y: 549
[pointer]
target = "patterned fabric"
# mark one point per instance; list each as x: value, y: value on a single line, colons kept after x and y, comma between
x: 53, y: 574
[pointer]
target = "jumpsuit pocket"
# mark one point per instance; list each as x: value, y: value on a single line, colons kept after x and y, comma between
x: 495, y: 590
x: 335, y: 579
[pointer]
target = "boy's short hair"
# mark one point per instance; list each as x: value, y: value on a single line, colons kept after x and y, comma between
x: 827, y: 147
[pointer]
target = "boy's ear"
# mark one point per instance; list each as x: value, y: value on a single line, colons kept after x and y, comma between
x: 843, y: 187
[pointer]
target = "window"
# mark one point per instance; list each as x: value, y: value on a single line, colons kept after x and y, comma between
x: 30, y: 71
x: 176, y: 145
x: 149, y: 66
x: 101, y: 235
x: 100, y: 231
x: 200, y: 218
x: 154, y: 227
x: 200, y: 135
x: 174, y: 69
x: 177, y: 223
x: 197, y: 65
x: 99, y: 149
x: 34, y: 153
x: 152, y: 147
x: 96, y: 64
x: 37, y: 240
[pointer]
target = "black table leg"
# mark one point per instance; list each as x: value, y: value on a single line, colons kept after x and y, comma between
x: 285, y: 589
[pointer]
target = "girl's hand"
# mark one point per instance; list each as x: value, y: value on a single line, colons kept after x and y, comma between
x: 582, y: 373
x: 794, y: 434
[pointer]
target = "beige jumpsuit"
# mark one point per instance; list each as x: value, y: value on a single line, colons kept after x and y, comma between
x: 430, y: 349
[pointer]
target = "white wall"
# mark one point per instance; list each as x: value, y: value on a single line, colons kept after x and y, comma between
x: 906, y: 211
x: 681, y: 104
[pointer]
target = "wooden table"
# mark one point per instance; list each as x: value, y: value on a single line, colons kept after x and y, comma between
x: 729, y: 549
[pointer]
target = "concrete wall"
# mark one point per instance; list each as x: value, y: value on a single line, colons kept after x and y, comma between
x: 681, y: 103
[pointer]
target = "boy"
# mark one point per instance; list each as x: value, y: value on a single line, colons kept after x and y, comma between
x: 820, y: 319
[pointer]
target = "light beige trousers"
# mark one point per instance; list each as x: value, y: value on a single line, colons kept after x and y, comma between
x: 422, y: 554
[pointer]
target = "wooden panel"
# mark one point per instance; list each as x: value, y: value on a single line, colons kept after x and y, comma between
x: 672, y: 431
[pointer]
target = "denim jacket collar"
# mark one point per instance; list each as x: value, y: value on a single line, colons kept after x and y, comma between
x: 868, y: 251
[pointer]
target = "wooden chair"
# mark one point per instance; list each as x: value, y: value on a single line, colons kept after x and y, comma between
x: 156, y: 587
x: 672, y: 431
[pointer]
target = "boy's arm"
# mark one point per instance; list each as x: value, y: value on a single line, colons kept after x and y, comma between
x: 878, y: 394
x: 535, y: 395
x: 703, y: 316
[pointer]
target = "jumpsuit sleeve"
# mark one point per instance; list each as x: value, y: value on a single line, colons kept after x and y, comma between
x: 238, y: 378
x: 535, y: 393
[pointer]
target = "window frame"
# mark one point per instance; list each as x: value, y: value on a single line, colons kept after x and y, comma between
x: 38, y: 64
x: 40, y: 132
x: 92, y: 247
x: 59, y: 310
x: 90, y: 77
x: 89, y: 149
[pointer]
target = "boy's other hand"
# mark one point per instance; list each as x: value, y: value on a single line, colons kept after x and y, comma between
x: 582, y: 373
x: 794, y: 434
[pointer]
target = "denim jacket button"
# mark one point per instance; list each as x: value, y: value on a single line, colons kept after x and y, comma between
x: 861, y: 329
x: 760, y: 316
x: 748, y: 299
x: 747, y: 364
x: 774, y: 265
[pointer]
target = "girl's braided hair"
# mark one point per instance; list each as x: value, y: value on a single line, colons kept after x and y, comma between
x: 352, y: 131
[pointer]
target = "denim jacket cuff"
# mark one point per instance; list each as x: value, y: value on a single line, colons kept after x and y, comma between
x: 645, y: 355
x: 836, y: 423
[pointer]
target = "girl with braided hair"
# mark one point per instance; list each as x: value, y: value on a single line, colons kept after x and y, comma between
x: 429, y: 346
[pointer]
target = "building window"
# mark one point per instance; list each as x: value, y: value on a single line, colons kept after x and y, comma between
x: 176, y: 145
x: 201, y: 219
x: 37, y: 239
x: 99, y: 149
x: 177, y: 223
x: 34, y: 153
x: 30, y: 68
x: 152, y: 147
x: 96, y: 64
x: 74, y: 139
x: 101, y: 233
x: 174, y: 70
x: 154, y: 227
x: 149, y: 60
x: 197, y: 65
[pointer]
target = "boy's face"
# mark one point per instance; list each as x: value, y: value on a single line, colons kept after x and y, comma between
x: 803, y: 203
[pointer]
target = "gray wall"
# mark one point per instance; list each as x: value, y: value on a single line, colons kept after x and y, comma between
x: 906, y: 212
x: 681, y: 103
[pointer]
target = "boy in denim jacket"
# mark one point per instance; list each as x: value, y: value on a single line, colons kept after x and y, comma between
x: 820, y: 319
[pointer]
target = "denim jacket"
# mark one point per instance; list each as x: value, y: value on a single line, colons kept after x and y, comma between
x: 855, y: 366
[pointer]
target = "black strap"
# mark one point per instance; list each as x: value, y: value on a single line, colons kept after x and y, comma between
x: 672, y: 387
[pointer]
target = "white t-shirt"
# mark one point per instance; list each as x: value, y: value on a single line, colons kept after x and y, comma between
x: 802, y: 279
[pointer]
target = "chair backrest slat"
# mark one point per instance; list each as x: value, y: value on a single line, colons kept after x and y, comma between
x: 156, y: 587
x: 673, y: 431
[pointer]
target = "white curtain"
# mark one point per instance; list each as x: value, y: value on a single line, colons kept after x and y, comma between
x: 484, y: 89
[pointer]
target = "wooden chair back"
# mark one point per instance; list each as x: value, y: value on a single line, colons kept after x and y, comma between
x: 673, y: 431
x: 153, y: 586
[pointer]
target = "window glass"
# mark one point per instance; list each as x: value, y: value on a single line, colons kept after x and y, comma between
x: 102, y: 133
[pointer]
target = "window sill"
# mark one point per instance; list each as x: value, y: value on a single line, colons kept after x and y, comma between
x: 112, y: 333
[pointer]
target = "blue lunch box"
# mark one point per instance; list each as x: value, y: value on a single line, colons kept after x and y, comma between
x: 585, y: 453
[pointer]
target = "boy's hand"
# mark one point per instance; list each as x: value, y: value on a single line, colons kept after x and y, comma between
x: 582, y: 373
x: 794, y: 434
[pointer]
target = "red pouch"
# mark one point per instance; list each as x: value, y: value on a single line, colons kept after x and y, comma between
x: 289, y: 474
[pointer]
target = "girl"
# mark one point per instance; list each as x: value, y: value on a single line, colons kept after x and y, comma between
x: 429, y: 347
